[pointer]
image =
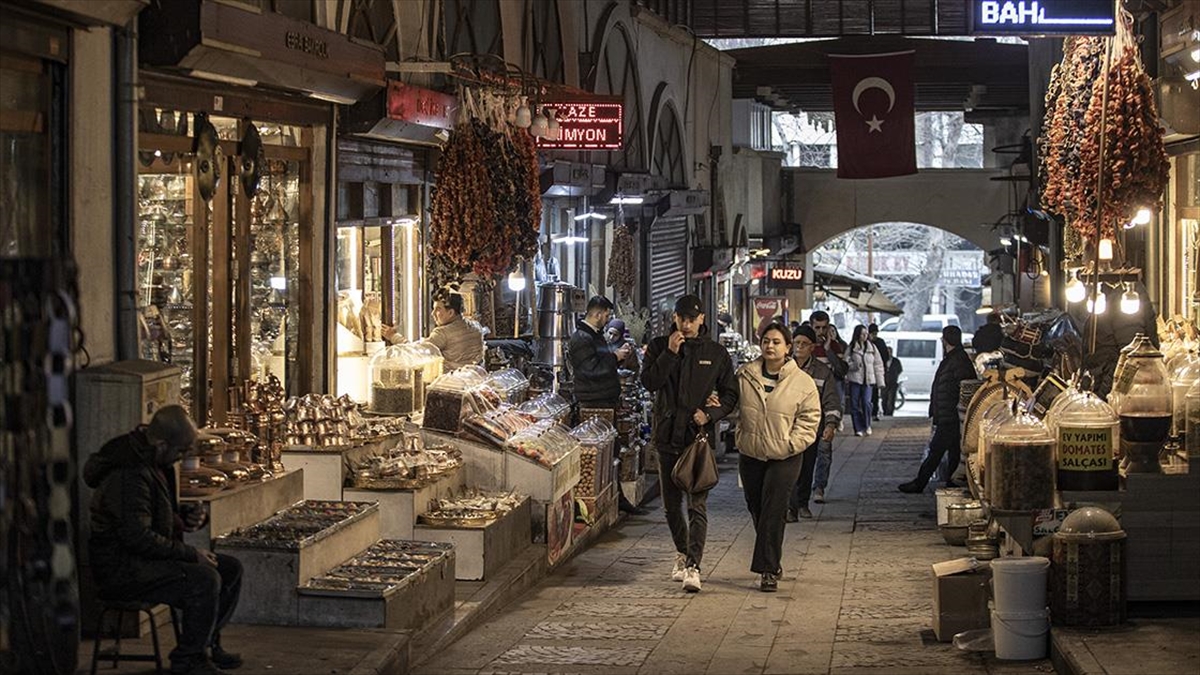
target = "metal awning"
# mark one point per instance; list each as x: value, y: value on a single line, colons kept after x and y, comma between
x: 859, y: 290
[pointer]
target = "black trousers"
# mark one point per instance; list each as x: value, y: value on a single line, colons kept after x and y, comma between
x: 767, y: 486
x: 803, y: 490
x: 888, y: 402
x: 688, y: 533
x: 207, y: 597
x: 875, y: 401
x: 945, y: 440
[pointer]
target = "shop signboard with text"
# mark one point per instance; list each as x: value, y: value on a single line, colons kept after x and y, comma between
x: 1043, y: 17
x: 587, y: 123
x: 420, y: 106
x: 787, y: 276
x: 767, y: 307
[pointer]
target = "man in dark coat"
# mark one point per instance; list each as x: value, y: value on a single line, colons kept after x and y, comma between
x: 593, y: 362
x: 682, y: 369
x: 989, y: 336
x: 886, y: 355
x: 136, y: 546
x: 812, y: 483
x: 943, y: 409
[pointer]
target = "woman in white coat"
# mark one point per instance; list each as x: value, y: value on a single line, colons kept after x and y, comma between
x: 779, y: 416
x: 866, y: 372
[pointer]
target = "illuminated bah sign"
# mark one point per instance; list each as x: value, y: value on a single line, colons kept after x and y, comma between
x: 587, y: 125
x: 1043, y: 17
x: 787, y: 277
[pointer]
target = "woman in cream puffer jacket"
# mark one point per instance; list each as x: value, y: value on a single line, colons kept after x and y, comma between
x: 779, y: 417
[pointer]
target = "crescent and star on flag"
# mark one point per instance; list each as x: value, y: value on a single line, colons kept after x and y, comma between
x: 874, y: 124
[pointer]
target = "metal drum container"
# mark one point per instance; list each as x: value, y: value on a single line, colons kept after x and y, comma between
x: 1088, y: 578
x: 558, y: 303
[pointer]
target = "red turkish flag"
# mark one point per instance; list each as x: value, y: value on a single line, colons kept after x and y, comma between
x: 873, y: 108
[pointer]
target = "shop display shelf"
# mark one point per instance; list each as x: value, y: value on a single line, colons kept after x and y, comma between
x: 273, y: 569
x: 245, y: 504
x: 398, y: 509
x: 404, y: 598
x: 325, y: 468
x: 481, y: 550
x: 541, y: 482
x: 484, y: 466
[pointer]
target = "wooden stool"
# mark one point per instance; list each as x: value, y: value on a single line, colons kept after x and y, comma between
x: 120, y: 607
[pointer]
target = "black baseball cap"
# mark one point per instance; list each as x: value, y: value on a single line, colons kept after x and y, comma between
x: 689, y: 306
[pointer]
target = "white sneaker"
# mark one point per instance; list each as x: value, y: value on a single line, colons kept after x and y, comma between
x: 691, y: 579
x: 680, y: 565
x: 858, y: 433
x: 819, y: 496
x: 868, y: 431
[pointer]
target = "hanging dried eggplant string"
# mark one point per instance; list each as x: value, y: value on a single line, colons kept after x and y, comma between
x: 1095, y: 315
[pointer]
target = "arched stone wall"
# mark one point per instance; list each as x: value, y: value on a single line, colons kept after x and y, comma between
x: 963, y: 201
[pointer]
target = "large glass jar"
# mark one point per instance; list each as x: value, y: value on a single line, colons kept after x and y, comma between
x: 1144, y: 394
x: 1087, y: 433
x: 1182, y: 378
x: 996, y: 414
x: 453, y: 397
x: 394, y: 374
x: 1021, y: 465
x: 429, y: 359
x: 511, y: 384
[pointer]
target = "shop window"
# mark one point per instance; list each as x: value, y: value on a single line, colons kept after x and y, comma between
x: 617, y: 75
x: 472, y: 27
x: 26, y: 89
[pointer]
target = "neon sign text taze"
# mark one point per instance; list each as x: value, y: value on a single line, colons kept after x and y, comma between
x: 587, y: 125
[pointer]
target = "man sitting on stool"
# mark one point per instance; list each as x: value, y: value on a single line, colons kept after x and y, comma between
x: 136, y: 545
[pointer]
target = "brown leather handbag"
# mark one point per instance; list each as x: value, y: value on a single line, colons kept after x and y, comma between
x: 696, y: 469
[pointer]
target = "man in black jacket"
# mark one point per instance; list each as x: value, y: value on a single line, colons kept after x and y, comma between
x: 943, y: 409
x: 593, y: 362
x: 682, y: 369
x: 137, y: 552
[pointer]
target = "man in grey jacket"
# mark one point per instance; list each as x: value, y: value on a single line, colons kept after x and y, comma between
x: 831, y: 417
x: 460, y: 342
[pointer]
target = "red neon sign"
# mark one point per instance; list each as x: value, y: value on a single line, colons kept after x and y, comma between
x: 587, y: 125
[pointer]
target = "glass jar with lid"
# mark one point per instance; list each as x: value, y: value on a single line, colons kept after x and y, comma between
x: 1087, y: 433
x: 1021, y: 465
x: 1143, y: 394
x: 394, y: 373
x: 511, y: 384
x: 1191, y: 440
x: 429, y: 359
x: 1183, y: 376
x: 996, y: 414
x: 449, y: 399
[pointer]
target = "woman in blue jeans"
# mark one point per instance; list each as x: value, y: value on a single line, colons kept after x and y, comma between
x: 866, y: 371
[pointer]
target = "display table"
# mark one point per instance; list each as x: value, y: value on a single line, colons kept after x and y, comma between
x: 484, y: 549
x: 484, y: 466
x: 400, y: 595
x: 243, y: 505
x: 276, y: 560
x: 541, y: 482
x: 325, y: 468
x: 398, y: 509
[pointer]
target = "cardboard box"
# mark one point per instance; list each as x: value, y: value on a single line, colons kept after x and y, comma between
x: 961, y: 589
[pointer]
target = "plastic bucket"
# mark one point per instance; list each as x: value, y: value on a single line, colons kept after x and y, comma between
x: 1020, y: 636
x: 1019, y: 584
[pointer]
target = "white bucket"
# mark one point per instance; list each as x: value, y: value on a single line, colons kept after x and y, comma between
x: 1019, y: 584
x: 1021, y: 636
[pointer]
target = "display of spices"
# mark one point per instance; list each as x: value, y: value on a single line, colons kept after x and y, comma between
x: 408, y: 466
x: 544, y: 442
x: 456, y: 395
x: 385, y: 565
x: 1021, y: 475
x: 289, y: 528
x: 471, y: 509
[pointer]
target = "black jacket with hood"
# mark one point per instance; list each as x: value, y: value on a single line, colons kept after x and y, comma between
x: 955, y: 367
x: 593, y: 368
x: 133, y: 513
x: 682, y: 382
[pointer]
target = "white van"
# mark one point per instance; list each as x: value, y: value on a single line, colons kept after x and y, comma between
x: 929, y: 322
x: 920, y: 353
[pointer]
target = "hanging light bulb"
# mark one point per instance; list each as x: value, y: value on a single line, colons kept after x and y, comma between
x: 516, y: 281
x: 540, y: 125
x: 1075, y: 290
x: 523, y: 117
x: 553, y: 131
x: 1131, y: 302
x: 1098, y: 305
x: 1105, y: 250
x: 1142, y: 217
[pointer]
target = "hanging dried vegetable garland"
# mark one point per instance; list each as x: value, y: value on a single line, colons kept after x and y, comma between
x: 1065, y: 122
x: 486, y: 206
x: 1130, y: 156
x: 621, y: 265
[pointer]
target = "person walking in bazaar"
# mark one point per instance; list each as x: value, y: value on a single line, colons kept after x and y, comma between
x: 812, y: 482
x: 682, y: 369
x: 865, y: 373
x: 779, y: 410
x: 943, y: 409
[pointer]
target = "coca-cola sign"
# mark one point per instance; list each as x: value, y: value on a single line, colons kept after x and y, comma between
x: 769, y: 306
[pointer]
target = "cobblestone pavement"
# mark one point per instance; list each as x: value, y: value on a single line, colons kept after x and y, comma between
x: 855, y: 596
